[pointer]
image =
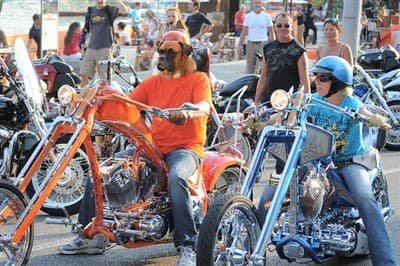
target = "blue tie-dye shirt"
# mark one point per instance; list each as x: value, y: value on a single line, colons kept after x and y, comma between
x: 347, y: 132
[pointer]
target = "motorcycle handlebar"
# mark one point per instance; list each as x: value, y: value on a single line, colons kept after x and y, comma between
x: 118, y: 61
x: 263, y: 113
x: 162, y: 113
x: 165, y: 113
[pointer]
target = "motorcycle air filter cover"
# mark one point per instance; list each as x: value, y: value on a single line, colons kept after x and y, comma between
x: 359, y: 88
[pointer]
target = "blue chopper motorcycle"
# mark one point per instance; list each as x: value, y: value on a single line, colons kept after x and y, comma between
x: 311, y: 216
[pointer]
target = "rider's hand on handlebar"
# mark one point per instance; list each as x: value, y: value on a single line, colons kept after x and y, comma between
x: 179, y: 117
x: 376, y: 120
x: 386, y: 126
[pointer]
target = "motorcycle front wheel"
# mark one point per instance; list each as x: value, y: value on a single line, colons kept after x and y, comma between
x: 12, y: 205
x: 229, y: 232
x: 393, y: 137
x: 70, y: 189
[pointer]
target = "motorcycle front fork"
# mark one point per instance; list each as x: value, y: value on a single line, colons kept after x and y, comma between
x: 296, y: 139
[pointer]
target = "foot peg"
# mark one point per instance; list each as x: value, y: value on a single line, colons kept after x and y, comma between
x: 64, y: 221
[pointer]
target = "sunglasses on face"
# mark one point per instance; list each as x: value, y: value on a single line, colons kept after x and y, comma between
x: 334, y: 21
x: 323, y: 77
x: 286, y: 26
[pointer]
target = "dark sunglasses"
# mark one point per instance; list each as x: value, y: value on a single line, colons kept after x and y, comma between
x: 334, y: 21
x: 286, y: 26
x: 323, y: 77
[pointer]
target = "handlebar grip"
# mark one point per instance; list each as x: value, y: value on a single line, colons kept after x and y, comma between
x: 293, y: 114
x: 103, y: 62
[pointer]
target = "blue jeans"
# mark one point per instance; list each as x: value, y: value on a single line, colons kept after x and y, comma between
x: 182, y: 164
x: 357, y: 181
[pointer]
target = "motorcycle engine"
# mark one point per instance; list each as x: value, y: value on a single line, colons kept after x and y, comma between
x: 119, y: 182
x: 123, y: 185
x: 5, y: 136
x: 314, y: 188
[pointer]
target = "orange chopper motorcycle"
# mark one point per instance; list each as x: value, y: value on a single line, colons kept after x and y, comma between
x: 131, y: 200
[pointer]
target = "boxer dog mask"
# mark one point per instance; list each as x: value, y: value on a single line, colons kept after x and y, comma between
x: 175, y: 52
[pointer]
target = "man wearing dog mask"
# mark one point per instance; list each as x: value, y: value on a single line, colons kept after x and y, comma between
x: 181, y: 139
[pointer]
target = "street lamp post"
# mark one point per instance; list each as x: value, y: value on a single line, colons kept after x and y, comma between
x: 351, y: 24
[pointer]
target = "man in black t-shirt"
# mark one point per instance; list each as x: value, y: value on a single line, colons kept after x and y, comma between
x: 284, y: 65
x: 196, y: 20
x: 35, y: 35
x: 99, y: 23
x: 309, y: 24
x: 369, y: 9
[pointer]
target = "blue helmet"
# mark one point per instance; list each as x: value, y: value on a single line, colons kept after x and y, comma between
x: 339, y: 68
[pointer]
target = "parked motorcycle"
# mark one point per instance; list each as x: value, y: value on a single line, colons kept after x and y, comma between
x: 371, y: 91
x: 391, y: 83
x: 383, y: 64
x: 22, y: 126
x: 311, y: 216
x: 225, y: 128
x: 132, y: 203
x: 223, y: 93
x: 228, y: 130
x: 55, y: 72
x: 379, y: 61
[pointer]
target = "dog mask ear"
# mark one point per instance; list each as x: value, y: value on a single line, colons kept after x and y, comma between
x: 187, y: 49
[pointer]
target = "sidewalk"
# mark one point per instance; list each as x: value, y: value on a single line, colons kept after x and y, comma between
x: 228, y: 71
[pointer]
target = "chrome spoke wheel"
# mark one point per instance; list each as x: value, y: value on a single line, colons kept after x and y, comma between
x: 12, y: 204
x: 70, y: 188
x: 393, y: 136
x: 229, y: 232
x: 236, y: 236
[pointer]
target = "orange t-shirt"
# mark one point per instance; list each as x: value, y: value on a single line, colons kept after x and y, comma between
x: 173, y: 92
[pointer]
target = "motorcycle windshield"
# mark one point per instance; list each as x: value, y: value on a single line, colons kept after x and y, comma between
x: 27, y: 73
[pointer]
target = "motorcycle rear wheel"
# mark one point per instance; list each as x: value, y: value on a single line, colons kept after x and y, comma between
x: 231, y: 226
x: 393, y: 138
x: 13, y: 200
x: 70, y: 188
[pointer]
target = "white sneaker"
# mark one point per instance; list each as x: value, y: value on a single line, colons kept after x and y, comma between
x: 80, y: 246
x: 187, y: 256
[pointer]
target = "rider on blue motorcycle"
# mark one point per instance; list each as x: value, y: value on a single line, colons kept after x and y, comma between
x: 334, y: 77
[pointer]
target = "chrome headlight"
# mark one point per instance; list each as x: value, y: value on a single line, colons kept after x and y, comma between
x: 280, y: 100
x: 66, y: 94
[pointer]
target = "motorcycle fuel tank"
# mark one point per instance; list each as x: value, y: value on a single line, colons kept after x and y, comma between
x: 250, y: 80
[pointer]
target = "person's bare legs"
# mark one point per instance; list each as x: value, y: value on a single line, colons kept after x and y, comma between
x: 84, y: 80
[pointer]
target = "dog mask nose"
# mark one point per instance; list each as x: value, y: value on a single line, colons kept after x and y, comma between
x: 166, y: 60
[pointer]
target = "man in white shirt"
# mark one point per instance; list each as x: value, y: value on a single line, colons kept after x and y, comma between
x: 258, y: 28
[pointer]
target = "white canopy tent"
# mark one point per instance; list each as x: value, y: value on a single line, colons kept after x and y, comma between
x: 302, y: 2
x: 286, y: 4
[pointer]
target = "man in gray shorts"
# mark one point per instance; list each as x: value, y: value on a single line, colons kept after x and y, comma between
x: 99, y: 22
